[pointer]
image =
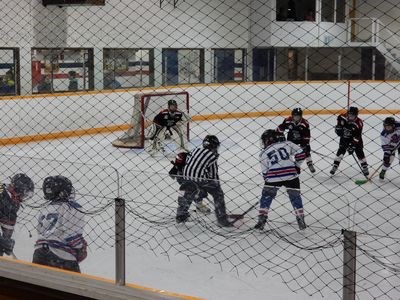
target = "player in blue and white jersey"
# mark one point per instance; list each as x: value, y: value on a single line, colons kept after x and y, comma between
x: 60, y: 240
x: 390, y: 138
x: 280, y: 164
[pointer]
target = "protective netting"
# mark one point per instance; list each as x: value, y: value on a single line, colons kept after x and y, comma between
x: 69, y: 76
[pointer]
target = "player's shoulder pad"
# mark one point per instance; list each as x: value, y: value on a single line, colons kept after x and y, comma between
x: 304, y: 122
x: 288, y: 119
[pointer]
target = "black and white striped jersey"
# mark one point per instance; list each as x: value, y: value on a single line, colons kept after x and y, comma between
x: 201, y: 164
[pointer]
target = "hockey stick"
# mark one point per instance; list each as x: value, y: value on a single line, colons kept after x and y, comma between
x: 358, y: 164
x: 363, y: 181
x: 241, y: 216
x: 320, y: 154
x: 236, y: 217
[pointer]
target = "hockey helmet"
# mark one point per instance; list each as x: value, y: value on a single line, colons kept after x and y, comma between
x: 172, y: 103
x: 172, y: 106
x: 297, y: 114
x: 57, y: 188
x: 352, y: 112
x: 389, y: 121
x: 22, y: 186
x: 211, y: 142
x: 271, y: 136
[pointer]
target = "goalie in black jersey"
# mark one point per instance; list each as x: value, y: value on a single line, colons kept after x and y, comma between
x: 201, y: 173
x: 298, y: 133
x: 169, y: 124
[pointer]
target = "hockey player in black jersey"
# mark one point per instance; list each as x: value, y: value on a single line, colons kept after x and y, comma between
x: 349, y: 128
x: 11, y: 196
x: 298, y: 133
x: 201, y: 173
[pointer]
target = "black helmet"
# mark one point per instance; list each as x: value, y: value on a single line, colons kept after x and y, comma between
x: 297, y: 112
x: 271, y: 136
x: 23, y: 186
x: 211, y: 142
x: 353, y: 111
x: 172, y: 102
x: 57, y: 188
x: 389, y: 121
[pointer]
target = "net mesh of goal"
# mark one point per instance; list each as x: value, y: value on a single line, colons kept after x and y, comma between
x: 145, y: 107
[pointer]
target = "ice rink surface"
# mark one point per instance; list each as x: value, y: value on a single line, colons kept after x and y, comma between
x: 101, y: 172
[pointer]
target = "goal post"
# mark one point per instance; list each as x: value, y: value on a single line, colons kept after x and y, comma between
x: 145, y: 107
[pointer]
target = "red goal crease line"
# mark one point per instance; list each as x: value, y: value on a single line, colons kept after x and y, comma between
x: 222, y: 116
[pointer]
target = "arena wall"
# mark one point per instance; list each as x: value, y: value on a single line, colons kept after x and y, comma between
x: 35, y: 118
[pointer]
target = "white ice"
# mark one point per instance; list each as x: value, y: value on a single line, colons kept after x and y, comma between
x: 93, y: 164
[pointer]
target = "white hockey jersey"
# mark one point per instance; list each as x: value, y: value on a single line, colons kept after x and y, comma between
x: 61, y: 226
x: 390, y: 140
x: 279, y: 161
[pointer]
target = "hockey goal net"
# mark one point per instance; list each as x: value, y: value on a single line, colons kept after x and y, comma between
x: 145, y: 107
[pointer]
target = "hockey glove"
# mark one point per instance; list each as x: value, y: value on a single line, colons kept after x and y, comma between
x: 81, y: 253
x: 350, y: 149
x: 173, y: 173
x: 6, y: 245
x: 339, y: 130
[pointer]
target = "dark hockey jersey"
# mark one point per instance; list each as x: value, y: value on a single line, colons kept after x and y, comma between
x: 298, y: 132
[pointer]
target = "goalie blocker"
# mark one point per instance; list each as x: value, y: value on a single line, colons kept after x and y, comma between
x: 145, y: 109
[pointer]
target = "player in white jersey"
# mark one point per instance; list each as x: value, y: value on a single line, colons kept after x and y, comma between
x: 280, y: 164
x: 60, y: 240
x: 390, y: 138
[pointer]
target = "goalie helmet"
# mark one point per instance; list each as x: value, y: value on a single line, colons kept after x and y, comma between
x: 22, y: 186
x: 271, y: 136
x: 297, y: 114
x: 389, y: 121
x: 172, y: 103
x: 57, y: 188
x: 211, y: 142
x: 172, y: 106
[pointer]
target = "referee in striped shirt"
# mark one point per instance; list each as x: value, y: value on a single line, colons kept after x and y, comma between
x: 201, y: 174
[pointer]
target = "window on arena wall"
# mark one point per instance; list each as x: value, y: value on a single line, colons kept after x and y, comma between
x: 229, y: 65
x: 333, y: 11
x: 125, y: 68
x: 9, y: 71
x: 62, y: 70
x: 182, y: 66
x: 291, y: 10
x: 328, y: 64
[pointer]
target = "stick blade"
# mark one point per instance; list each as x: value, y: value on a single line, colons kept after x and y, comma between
x: 361, y: 181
